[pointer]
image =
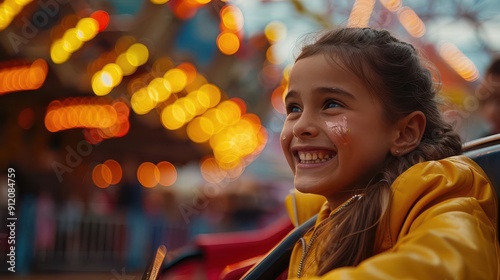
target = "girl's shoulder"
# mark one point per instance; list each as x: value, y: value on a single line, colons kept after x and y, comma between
x: 457, y: 174
x: 454, y: 184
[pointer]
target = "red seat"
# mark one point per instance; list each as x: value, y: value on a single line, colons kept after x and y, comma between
x: 215, y: 252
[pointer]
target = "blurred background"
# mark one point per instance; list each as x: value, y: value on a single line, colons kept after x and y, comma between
x: 130, y: 124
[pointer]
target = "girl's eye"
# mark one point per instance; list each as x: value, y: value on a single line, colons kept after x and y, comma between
x: 293, y: 108
x: 332, y: 104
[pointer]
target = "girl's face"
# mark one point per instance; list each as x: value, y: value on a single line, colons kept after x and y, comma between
x: 335, y: 136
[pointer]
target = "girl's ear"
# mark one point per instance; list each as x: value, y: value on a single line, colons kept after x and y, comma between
x: 408, y: 132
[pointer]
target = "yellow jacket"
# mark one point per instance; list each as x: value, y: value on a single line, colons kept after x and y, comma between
x: 441, y: 224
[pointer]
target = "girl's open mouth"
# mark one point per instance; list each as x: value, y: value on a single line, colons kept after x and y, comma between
x: 315, y: 156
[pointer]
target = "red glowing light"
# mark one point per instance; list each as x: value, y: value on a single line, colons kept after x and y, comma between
x: 102, y: 18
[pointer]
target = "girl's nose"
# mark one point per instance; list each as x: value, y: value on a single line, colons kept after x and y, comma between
x: 305, y: 127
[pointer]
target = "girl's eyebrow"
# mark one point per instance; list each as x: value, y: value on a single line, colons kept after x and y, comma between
x: 290, y: 94
x: 334, y: 90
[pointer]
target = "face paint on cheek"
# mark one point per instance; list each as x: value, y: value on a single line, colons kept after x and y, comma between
x: 340, y: 130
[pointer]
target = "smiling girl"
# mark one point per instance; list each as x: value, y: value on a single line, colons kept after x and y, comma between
x: 396, y: 198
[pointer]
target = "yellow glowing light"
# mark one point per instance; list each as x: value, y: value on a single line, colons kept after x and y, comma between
x: 176, y: 78
x: 71, y: 42
x: 213, y: 93
x: 228, y: 43
x: 211, y: 115
x: 275, y: 31
x: 200, y: 130
x: 114, y: 72
x: 197, y: 82
x: 229, y: 112
x: 203, y: 2
x: 137, y: 54
x: 99, y: 84
x: 172, y: 117
x: 9, y: 10
x: 361, y: 13
x: 228, y: 161
x: 141, y: 102
x: 123, y: 62
x: 86, y: 29
x: 160, y: 89
x: 57, y: 52
x: 178, y: 112
x: 21, y: 3
x: 188, y: 106
x: 232, y: 18
x: 159, y: 2
x: 199, y: 102
x: 203, y: 99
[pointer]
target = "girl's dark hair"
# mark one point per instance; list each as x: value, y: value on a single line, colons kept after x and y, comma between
x: 398, y: 77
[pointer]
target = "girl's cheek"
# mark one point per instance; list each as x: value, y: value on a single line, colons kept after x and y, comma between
x: 340, y: 130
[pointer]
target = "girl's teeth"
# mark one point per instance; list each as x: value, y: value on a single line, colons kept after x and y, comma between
x: 313, y: 157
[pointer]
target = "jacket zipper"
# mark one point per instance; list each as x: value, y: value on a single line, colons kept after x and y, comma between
x: 319, y: 229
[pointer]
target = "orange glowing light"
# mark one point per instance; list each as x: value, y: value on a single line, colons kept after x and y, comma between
x: 115, y: 169
x: 391, y: 5
x: 190, y: 70
x: 101, y: 176
x: 148, y: 174
x: 241, y: 104
x: 23, y: 77
x: 87, y: 113
x: 210, y: 170
x: 228, y: 43
x: 411, y: 22
x: 185, y: 9
x: 459, y: 62
x: 277, y: 99
x: 168, y: 173
x: 361, y: 13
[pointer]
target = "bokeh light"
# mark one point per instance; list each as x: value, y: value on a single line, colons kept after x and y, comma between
x: 101, y: 176
x: 275, y: 31
x: 228, y: 43
x: 168, y: 173
x: 148, y: 174
x: 23, y: 76
x: 102, y: 19
x: 459, y: 62
x: 411, y: 22
x: 361, y: 13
